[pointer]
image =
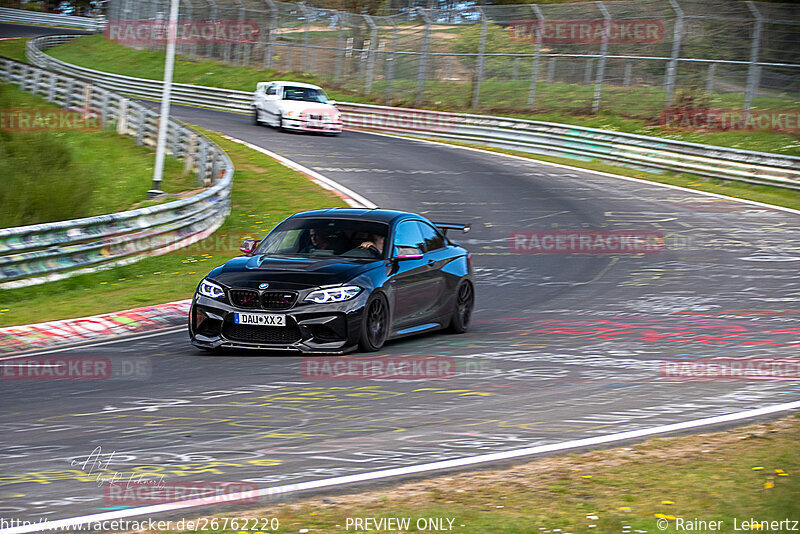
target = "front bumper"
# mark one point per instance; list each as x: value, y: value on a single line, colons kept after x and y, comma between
x: 321, y: 328
x: 306, y: 125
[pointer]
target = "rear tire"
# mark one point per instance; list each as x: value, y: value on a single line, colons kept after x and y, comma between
x: 374, y: 323
x: 465, y: 302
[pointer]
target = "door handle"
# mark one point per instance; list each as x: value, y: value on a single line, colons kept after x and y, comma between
x: 431, y: 262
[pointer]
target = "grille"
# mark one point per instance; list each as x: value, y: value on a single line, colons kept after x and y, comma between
x: 316, y: 117
x: 244, y: 298
x: 262, y: 334
x: 277, y: 300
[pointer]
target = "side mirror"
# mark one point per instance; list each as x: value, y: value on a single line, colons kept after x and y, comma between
x: 407, y: 253
x: 332, y: 102
x: 249, y: 246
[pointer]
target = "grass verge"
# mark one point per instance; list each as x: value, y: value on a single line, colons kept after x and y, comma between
x: 13, y: 48
x: 51, y: 176
x: 264, y: 193
x: 97, y: 53
x: 750, y: 472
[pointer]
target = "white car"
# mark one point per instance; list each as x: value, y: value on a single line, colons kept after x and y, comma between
x: 295, y: 106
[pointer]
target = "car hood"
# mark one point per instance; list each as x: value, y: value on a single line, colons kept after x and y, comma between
x: 283, y: 272
x: 307, y: 107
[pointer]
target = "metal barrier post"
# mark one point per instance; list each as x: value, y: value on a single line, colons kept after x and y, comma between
x: 392, y: 60
x: 373, y: 43
x: 538, y: 52
x: 476, y: 87
x: 754, y: 70
x: 601, y: 65
x: 672, y: 66
x: 423, y: 59
x: 306, y: 27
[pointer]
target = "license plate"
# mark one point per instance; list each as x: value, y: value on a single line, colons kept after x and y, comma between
x: 260, y: 319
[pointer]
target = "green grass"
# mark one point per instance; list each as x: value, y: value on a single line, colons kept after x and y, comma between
x: 634, y: 110
x: 264, y: 193
x: 13, y: 48
x: 759, y: 193
x: 707, y: 477
x: 50, y: 176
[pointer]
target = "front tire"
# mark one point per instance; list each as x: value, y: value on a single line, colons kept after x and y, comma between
x: 374, y: 323
x: 256, y: 120
x: 465, y: 301
x: 280, y: 124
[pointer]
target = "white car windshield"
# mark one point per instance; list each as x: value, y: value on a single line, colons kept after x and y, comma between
x: 304, y: 94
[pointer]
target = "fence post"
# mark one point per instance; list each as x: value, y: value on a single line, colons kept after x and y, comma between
x: 601, y: 65
x: 423, y: 59
x: 712, y: 68
x: 551, y: 70
x: 340, y: 51
x: 271, y: 29
x: 587, y: 72
x: 537, y: 54
x: 214, y: 16
x: 373, y: 43
x: 392, y: 60
x: 306, y: 27
x: 672, y: 66
x: 476, y: 87
x: 754, y: 70
x: 51, y: 87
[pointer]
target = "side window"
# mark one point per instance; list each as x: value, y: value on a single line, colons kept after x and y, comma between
x: 433, y: 239
x: 272, y: 89
x: 408, y: 239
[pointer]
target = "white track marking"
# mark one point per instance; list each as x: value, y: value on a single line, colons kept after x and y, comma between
x: 73, y: 346
x: 579, y: 169
x: 358, y: 201
x: 408, y: 470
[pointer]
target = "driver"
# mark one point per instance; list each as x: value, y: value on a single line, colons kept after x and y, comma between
x: 375, y: 241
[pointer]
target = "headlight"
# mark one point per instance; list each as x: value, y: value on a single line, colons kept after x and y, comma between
x: 293, y: 114
x: 210, y: 289
x: 333, y: 294
x: 337, y: 117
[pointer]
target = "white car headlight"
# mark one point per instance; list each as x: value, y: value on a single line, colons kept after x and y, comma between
x: 333, y: 294
x: 293, y: 114
x: 210, y: 289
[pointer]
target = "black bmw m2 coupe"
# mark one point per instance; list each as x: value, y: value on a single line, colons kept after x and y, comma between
x: 336, y: 280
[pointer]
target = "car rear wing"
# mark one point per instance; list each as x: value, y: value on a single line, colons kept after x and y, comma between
x: 444, y: 227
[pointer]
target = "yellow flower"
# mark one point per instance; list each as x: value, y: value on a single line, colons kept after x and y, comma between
x: 586, y: 476
x: 768, y: 485
x: 625, y: 508
x: 757, y: 468
x: 667, y: 502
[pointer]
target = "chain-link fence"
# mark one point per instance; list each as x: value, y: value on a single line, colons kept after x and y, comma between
x: 631, y: 58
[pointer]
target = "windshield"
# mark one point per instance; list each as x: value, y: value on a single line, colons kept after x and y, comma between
x: 342, y: 238
x: 304, y: 94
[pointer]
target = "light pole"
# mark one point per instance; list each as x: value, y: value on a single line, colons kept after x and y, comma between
x: 163, y: 123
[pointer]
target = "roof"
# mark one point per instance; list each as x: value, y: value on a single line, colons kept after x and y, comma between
x: 376, y: 215
x: 295, y: 84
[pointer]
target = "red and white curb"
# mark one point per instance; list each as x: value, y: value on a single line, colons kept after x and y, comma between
x: 94, y: 328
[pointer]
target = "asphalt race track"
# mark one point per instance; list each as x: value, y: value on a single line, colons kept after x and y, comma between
x: 563, y: 346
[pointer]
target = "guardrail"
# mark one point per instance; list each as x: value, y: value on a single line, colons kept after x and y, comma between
x: 552, y: 139
x: 51, y: 251
x: 23, y: 16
